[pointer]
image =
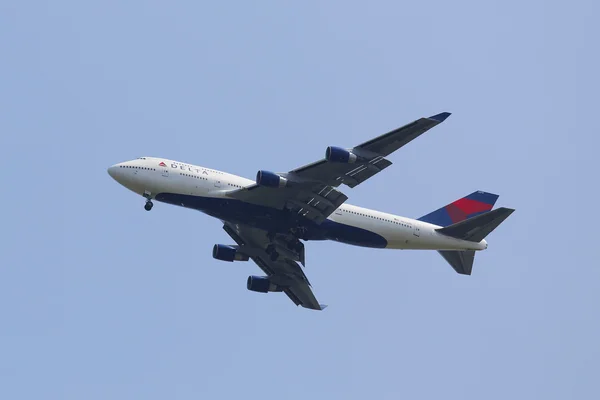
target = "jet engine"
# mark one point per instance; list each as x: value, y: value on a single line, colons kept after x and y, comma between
x: 339, y: 155
x: 270, y: 179
x: 261, y: 284
x: 228, y: 253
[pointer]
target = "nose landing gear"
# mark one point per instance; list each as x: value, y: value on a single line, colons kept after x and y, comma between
x: 148, y: 206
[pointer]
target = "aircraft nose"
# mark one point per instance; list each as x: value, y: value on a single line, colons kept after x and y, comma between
x: 112, y: 171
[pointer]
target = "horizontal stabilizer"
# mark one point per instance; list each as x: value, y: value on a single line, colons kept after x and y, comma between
x: 461, y: 261
x: 477, y: 228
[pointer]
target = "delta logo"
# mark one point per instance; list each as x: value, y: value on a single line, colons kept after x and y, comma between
x: 162, y: 164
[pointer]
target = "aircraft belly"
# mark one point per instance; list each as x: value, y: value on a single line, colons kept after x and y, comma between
x: 342, y: 230
x: 427, y: 239
x: 432, y: 243
x: 234, y: 211
x: 353, y: 235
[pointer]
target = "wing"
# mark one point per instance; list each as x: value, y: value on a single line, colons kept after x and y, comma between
x: 370, y: 155
x: 285, y: 273
x: 311, y: 190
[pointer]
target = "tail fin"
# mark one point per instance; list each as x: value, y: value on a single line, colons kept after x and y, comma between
x: 470, y: 206
x: 477, y: 228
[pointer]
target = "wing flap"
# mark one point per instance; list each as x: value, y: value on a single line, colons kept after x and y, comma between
x: 317, y: 205
x: 312, y: 200
x: 364, y: 171
x: 304, y: 296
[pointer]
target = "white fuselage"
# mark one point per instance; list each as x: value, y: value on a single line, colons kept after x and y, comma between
x: 149, y: 176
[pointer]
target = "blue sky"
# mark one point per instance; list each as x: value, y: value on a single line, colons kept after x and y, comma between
x: 100, y: 299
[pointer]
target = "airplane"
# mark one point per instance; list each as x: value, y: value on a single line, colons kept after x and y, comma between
x: 271, y: 216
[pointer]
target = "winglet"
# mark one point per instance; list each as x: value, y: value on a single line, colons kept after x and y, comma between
x: 318, y: 307
x: 441, y: 117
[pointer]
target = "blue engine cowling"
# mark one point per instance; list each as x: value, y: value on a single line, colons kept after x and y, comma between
x: 227, y: 253
x: 261, y: 284
x: 339, y: 155
x: 270, y: 179
x: 223, y: 252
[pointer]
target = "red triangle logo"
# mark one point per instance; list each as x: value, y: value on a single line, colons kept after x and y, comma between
x: 162, y: 164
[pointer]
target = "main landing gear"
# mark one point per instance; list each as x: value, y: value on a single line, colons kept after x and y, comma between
x: 273, y: 254
x: 293, y: 245
x: 148, y: 206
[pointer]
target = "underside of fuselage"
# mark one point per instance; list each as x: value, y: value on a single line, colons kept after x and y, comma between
x: 274, y: 220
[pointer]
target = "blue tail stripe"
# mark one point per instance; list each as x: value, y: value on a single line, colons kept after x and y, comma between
x: 438, y: 217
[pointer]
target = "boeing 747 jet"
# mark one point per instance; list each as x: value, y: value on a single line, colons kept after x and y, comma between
x: 269, y: 218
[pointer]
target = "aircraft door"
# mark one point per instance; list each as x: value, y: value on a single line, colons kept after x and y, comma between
x: 217, y: 183
x: 165, y: 172
x: 416, y: 231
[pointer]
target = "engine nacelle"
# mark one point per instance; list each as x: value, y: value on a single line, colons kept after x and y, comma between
x: 261, y: 284
x: 339, y: 155
x: 270, y: 179
x: 228, y: 253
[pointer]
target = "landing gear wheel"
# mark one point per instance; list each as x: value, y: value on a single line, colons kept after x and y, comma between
x: 148, y: 205
x: 274, y: 256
